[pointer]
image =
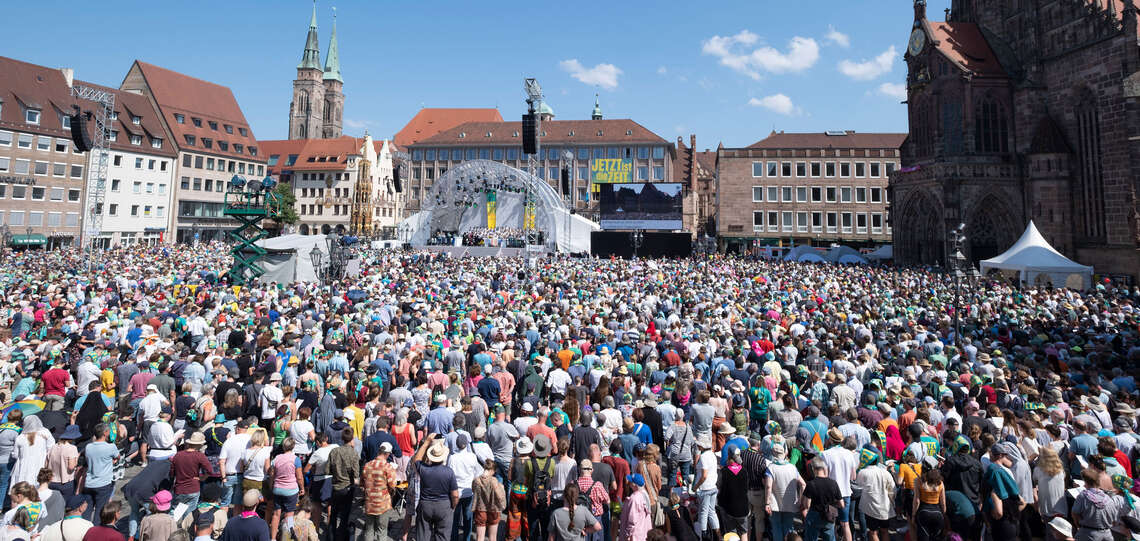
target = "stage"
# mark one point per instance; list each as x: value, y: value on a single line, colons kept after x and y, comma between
x: 486, y: 251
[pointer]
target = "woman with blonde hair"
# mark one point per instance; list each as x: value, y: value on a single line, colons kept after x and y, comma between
x: 1049, y: 478
x: 254, y: 464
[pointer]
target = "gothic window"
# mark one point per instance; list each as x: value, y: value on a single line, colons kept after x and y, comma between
x: 921, y: 128
x: 301, y: 131
x: 1091, y: 175
x: 952, y: 127
x: 304, y: 105
x: 328, y: 111
x: 991, y: 129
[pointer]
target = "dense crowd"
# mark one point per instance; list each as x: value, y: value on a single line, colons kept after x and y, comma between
x: 436, y: 398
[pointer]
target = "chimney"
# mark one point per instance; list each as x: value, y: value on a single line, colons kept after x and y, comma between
x: 68, y: 75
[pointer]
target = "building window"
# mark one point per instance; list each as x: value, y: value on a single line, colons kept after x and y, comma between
x: 65, y: 122
x: 213, y: 125
x: 773, y: 220
x: 150, y: 187
x: 757, y: 220
x: 801, y: 169
x: 209, y: 164
x: 57, y: 194
x: 187, y: 160
x: 659, y: 173
x: 891, y: 168
x: 845, y: 169
x: 801, y: 194
x: 73, y: 195
x: 156, y: 142
x: 773, y: 194
x: 59, y: 170
x: 815, y: 169
x: 845, y: 194
x: 23, y: 167
x: 991, y: 127
x: 860, y: 169
x: 146, y: 210
x: 54, y: 219
x: 5, y: 138
x: 832, y: 222
x: 41, y: 168
x: 583, y: 173
x: 197, y: 122
x: 138, y: 163
x: 160, y: 211
x: 757, y: 169
x: 25, y: 140
x: 829, y: 169
x: 5, y: 164
x: 846, y: 224
x: 876, y: 195
x: 134, y: 211
x: 816, y: 222
x: 137, y: 140
x: 470, y: 154
x: 197, y: 184
x: 1090, y: 175
x: 209, y: 186
x: 860, y: 195
x: 876, y: 222
x: 773, y: 167
x: 135, y: 119
x: 16, y: 217
x: 43, y: 143
x: 658, y: 153
x: 512, y: 154
x: 496, y: 154
x: 38, y: 193
x: 786, y: 169
x: 801, y: 222
x: 198, y: 162
x: 61, y: 145
x: 786, y: 195
x: 150, y: 165
x: 136, y: 187
x: 32, y: 116
x: 76, y: 171
x: 36, y: 218
x: 757, y: 194
x: 180, y: 118
x: 831, y: 193
x: 19, y: 192
x: 642, y: 173
x: 185, y: 184
x: 876, y: 169
x: 861, y: 222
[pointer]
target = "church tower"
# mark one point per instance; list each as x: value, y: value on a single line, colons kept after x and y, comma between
x: 306, y: 109
x: 597, y: 113
x: 333, y: 90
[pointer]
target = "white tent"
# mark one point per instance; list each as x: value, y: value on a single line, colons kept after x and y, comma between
x: 795, y: 253
x: 1033, y: 258
x: 845, y: 254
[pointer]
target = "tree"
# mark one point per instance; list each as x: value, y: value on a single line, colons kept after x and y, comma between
x: 286, y: 203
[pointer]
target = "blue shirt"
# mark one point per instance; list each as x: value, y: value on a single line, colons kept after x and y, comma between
x: 438, y: 421
x: 81, y: 400
x: 100, y: 460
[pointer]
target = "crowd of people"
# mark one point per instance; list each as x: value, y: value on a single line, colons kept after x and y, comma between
x: 435, y: 398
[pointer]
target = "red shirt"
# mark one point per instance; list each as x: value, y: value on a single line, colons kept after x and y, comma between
x: 621, y: 469
x: 55, y: 381
x: 103, y: 533
x: 187, y: 465
x: 139, y: 382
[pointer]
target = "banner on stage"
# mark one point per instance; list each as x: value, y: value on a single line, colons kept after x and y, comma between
x: 492, y: 205
x: 528, y: 216
x: 611, y: 170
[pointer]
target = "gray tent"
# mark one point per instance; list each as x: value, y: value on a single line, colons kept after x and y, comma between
x: 289, y: 258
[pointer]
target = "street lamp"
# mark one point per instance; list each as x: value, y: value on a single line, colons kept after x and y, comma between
x: 957, y: 263
x: 315, y: 256
x: 638, y: 238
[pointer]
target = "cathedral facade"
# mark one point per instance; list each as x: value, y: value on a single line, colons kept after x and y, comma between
x: 317, y: 109
x: 1022, y: 110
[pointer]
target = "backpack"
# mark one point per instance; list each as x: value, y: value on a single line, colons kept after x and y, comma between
x: 584, y: 497
x: 195, y: 415
x: 540, y: 483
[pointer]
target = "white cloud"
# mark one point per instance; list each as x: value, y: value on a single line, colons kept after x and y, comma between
x: 893, y: 90
x: 356, y: 124
x: 837, y: 37
x: 603, y: 75
x: 777, y: 103
x: 732, y: 51
x: 869, y: 69
x: 662, y: 70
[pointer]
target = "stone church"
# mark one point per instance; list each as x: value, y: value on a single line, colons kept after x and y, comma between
x: 317, y: 109
x: 1022, y: 110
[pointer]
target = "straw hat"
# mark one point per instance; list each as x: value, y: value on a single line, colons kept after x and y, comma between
x: 437, y: 453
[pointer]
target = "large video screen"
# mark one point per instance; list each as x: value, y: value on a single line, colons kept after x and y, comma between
x: 640, y: 206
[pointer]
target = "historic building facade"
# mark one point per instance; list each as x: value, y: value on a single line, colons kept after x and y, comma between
x: 1022, y: 111
x: 317, y: 109
x: 806, y: 188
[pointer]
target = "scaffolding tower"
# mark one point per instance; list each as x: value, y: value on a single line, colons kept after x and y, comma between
x: 97, y: 174
x: 250, y: 203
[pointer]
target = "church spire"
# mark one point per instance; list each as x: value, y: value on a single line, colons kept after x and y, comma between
x: 332, y: 58
x: 312, y: 57
x: 597, y: 114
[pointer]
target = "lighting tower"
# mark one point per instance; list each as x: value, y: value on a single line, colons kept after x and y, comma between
x: 250, y: 202
x: 100, y: 150
x: 533, y: 102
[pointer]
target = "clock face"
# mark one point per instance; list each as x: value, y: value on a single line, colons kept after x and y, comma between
x: 917, y: 41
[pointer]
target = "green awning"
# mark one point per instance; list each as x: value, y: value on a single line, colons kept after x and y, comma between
x: 34, y: 239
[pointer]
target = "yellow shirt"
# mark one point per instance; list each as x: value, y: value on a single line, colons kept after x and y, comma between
x: 107, y: 378
x: 908, y: 473
x: 357, y: 421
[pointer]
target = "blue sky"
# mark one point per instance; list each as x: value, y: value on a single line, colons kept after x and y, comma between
x: 728, y: 71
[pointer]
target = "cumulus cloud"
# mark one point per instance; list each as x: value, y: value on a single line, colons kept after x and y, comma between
x: 603, y: 75
x: 837, y: 37
x: 893, y: 90
x: 867, y: 70
x: 737, y: 52
x: 777, y: 103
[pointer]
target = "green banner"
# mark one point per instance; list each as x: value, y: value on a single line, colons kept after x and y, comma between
x: 611, y: 170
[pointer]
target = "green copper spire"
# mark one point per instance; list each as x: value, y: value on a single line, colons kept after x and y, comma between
x: 332, y: 59
x: 312, y: 57
x: 597, y: 114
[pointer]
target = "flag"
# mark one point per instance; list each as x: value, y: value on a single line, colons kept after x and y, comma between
x: 491, y: 209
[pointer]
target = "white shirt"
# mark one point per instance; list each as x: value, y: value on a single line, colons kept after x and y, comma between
x: 841, y: 464
x: 160, y: 441
x: 466, y: 467
x: 557, y: 381
x: 72, y: 528
x: 878, y: 487
x: 319, y: 460
x: 522, y: 424
x: 707, y: 462
x: 232, y: 450
x: 88, y: 372
x: 197, y: 326
x: 270, y: 398
x: 254, y: 460
x: 151, y: 406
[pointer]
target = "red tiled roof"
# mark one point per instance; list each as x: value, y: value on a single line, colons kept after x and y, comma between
x: 33, y: 85
x: 621, y: 130
x: 176, y: 93
x: 430, y: 121
x: 849, y: 139
x: 963, y: 43
x: 334, y: 151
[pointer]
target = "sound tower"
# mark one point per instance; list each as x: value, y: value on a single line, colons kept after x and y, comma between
x: 79, y: 132
x: 396, y: 183
x: 565, y: 182
x: 530, y: 133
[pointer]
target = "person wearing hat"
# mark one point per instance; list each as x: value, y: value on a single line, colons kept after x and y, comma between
x: 190, y: 467
x: 151, y: 405
x: 159, y: 524
x: 248, y: 525
x: 1003, y: 498
x: 705, y: 486
x: 268, y: 399
x: 539, y: 480
x: 439, y: 490
x: 1059, y: 529
x: 99, y: 482
x: 842, y: 464
x: 636, y: 515
x: 63, y: 460
x: 73, y: 525
x: 378, y: 479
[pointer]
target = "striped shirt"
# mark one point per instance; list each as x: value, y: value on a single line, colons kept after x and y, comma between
x: 756, y: 466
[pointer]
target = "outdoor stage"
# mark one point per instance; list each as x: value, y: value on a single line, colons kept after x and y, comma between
x: 486, y: 251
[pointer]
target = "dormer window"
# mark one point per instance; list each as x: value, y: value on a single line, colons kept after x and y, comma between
x: 197, y: 122
x: 243, y: 132
x: 180, y: 118
x: 238, y: 147
x: 229, y: 129
x: 516, y: 134
x: 136, y: 119
x: 213, y: 125
x: 113, y: 136
x: 156, y: 142
x: 189, y: 139
x: 32, y: 116
x: 571, y: 133
x: 207, y: 142
x: 629, y: 132
x: 462, y: 135
x: 136, y: 139
x: 488, y: 134
x: 253, y: 151
x: 222, y: 145
x: 599, y: 133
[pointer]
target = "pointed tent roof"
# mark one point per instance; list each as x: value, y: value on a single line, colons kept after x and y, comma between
x: 332, y: 58
x: 311, y: 59
x: 1033, y: 253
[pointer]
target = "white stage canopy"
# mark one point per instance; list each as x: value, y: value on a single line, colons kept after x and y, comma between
x: 1034, y: 259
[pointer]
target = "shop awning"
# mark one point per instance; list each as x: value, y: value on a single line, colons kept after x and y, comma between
x: 34, y: 239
